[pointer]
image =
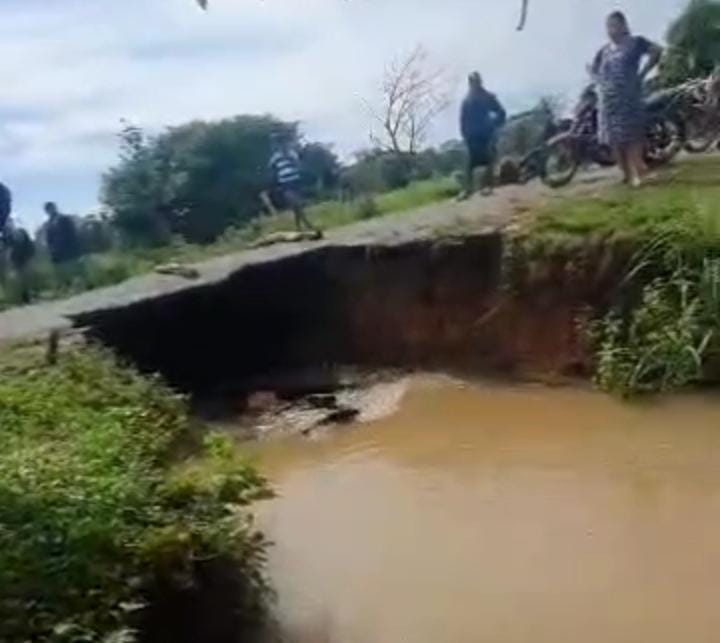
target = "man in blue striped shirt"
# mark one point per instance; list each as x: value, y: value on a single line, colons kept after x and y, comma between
x: 287, y: 187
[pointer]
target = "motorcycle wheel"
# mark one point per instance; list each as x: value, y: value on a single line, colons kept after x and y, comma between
x: 699, y: 145
x: 561, y: 164
x: 531, y: 167
x: 698, y: 140
x: 665, y: 138
x: 700, y: 132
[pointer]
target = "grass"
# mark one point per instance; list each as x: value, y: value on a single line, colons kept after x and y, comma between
x: 685, y: 200
x: 116, y: 266
x: 326, y: 215
x: 665, y: 332
x: 96, y: 507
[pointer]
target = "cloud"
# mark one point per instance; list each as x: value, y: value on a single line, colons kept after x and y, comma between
x: 73, y: 69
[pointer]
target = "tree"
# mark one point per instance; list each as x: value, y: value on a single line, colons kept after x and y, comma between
x: 193, y: 180
x: 196, y: 180
x: 525, y: 131
x: 138, y: 190
x: 694, y: 42
x: 320, y: 168
x: 413, y: 94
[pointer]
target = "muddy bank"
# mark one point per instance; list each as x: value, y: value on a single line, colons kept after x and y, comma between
x: 482, y: 303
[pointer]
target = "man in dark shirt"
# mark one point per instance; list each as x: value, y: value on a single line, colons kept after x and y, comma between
x: 481, y: 118
x: 62, y: 237
x: 64, y: 248
x: 21, y: 250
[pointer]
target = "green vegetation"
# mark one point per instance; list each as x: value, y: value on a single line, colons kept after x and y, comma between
x: 667, y: 333
x: 693, y: 42
x: 684, y: 203
x: 196, y: 180
x: 671, y: 337
x: 116, y: 265
x: 96, y: 508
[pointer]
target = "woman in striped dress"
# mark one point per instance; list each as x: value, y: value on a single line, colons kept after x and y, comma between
x: 619, y: 75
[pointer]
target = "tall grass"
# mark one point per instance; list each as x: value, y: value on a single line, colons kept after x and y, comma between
x: 667, y: 339
x: 669, y: 335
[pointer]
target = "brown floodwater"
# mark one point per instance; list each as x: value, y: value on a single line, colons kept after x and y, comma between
x: 502, y: 515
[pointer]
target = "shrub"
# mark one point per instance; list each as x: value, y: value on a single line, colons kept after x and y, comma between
x: 366, y: 207
x: 667, y: 340
x: 662, y: 346
x: 95, y: 512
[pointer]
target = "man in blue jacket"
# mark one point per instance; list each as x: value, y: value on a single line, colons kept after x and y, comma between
x: 481, y: 117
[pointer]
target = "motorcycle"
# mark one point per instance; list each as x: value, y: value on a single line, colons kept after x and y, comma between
x: 665, y: 129
x: 579, y: 145
x: 702, y: 114
x: 532, y: 165
x: 568, y: 152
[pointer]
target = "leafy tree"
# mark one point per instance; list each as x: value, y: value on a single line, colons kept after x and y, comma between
x: 197, y: 179
x: 525, y: 131
x: 320, y: 168
x: 694, y: 42
x: 377, y: 170
x: 137, y: 190
x: 451, y: 157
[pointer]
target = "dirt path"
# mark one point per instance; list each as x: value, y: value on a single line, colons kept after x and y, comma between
x: 433, y: 221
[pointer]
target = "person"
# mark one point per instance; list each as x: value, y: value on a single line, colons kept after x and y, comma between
x: 619, y: 72
x: 63, y: 243
x: 5, y: 208
x: 21, y: 250
x: 5, y: 227
x: 481, y: 117
x: 287, y: 189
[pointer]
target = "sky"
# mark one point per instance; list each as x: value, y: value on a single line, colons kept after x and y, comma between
x: 73, y: 69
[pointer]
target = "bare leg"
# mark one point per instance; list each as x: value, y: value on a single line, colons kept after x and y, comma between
x: 621, y: 157
x: 636, y: 163
x: 267, y: 202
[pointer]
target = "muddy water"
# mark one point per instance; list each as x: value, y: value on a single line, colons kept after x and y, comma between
x: 502, y: 515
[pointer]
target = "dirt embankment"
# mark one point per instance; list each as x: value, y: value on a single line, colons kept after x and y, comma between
x: 479, y: 303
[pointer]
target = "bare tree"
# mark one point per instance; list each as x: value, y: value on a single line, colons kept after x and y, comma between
x: 413, y: 94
